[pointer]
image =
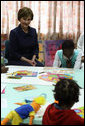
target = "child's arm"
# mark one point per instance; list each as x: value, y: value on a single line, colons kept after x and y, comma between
x: 56, y: 62
x: 77, y: 64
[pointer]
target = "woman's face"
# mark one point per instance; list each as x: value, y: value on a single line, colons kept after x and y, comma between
x: 25, y: 21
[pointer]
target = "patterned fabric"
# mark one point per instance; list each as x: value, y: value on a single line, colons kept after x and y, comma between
x: 51, y: 47
x: 52, y: 19
x: 41, y: 51
x: 3, y: 38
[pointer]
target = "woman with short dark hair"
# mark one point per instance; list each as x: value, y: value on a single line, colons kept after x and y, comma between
x: 25, y: 12
x: 23, y: 43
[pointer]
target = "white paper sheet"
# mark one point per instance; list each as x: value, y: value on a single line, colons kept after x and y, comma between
x: 3, y: 103
x: 3, y: 86
x: 40, y: 113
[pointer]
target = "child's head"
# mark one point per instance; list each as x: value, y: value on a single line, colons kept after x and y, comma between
x: 68, y: 48
x: 66, y: 92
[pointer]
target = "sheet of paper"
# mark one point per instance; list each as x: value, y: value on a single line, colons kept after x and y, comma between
x: 25, y: 80
x: 22, y: 73
x: 40, y: 113
x: 3, y: 103
x: 54, y: 77
x: 3, y: 86
x: 58, y: 70
x: 24, y: 88
x: 17, y: 68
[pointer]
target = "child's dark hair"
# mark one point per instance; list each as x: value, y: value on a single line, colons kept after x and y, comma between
x: 68, y: 44
x: 66, y: 92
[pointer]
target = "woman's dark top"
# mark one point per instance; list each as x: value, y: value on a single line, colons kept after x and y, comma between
x: 23, y: 44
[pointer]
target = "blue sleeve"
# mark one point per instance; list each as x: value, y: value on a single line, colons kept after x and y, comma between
x: 13, y: 46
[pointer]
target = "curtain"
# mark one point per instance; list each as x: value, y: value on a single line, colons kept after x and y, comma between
x: 52, y: 19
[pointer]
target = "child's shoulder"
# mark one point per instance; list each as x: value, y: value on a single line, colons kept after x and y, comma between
x: 59, y: 51
x: 76, y: 52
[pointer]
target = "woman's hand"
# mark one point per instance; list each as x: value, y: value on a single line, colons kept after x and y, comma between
x: 32, y: 62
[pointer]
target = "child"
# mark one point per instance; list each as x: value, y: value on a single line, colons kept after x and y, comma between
x: 68, y: 57
x: 66, y: 93
x: 80, y: 46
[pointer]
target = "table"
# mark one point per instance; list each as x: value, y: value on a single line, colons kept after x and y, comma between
x: 78, y: 75
x: 12, y: 96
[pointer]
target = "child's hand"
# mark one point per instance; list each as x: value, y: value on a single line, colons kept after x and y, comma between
x: 82, y: 59
x: 68, y: 63
x: 4, y: 69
